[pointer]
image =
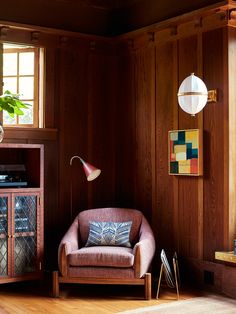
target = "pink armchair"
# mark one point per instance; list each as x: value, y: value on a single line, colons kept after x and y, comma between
x: 79, y: 263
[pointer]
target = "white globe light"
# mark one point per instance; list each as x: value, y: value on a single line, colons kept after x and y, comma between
x: 192, y: 94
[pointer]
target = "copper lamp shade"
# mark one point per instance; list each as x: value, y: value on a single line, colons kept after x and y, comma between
x: 90, y: 171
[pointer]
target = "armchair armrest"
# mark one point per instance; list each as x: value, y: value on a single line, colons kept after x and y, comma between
x: 144, y: 250
x: 68, y: 244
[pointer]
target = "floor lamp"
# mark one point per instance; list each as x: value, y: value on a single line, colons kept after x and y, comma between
x: 91, y: 173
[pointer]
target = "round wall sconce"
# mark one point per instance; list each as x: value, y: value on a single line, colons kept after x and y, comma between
x: 193, y: 95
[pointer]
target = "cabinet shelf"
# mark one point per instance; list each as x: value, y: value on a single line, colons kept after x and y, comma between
x: 21, y: 165
x: 18, y: 184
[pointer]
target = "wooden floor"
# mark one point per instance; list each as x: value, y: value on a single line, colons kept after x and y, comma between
x: 31, y: 297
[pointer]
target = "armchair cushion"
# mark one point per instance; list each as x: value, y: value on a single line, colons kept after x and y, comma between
x: 109, y: 233
x: 106, y: 256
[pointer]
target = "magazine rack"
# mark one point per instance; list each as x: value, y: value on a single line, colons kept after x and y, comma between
x: 171, y: 281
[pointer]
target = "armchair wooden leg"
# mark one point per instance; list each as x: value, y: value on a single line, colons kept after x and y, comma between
x: 148, y: 286
x: 55, y: 284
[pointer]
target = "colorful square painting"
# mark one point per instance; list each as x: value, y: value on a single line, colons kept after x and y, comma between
x: 185, y: 152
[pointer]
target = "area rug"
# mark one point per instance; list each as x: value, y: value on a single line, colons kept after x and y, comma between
x: 211, y: 304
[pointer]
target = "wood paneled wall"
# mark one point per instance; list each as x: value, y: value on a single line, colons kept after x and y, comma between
x: 190, y: 204
x: 80, y: 98
x: 113, y: 102
x: 87, y: 126
x: 86, y: 115
x: 191, y: 215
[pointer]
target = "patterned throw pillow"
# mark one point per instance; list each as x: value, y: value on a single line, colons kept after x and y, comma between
x: 109, y: 233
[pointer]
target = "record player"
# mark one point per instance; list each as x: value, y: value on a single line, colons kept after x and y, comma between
x: 13, y: 176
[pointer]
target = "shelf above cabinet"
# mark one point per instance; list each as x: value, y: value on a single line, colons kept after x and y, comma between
x: 21, y: 166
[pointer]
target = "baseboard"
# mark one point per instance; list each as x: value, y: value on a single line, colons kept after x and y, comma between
x: 210, y: 276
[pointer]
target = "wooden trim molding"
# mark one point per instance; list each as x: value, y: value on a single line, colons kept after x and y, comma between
x: 30, y: 133
x: 49, y: 37
x: 37, y: 30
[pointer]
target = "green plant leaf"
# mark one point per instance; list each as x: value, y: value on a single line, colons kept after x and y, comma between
x: 11, y: 103
x: 21, y: 104
x: 7, y: 92
x: 18, y: 111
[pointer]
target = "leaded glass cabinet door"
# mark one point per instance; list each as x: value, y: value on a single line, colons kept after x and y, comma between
x: 4, y: 236
x: 25, y: 234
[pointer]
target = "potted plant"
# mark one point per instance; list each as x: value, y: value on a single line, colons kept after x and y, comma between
x: 12, y: 104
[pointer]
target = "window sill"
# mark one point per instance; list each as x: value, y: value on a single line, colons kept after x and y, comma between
x: 30, y: 133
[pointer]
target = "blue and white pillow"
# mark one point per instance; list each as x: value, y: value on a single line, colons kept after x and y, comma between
x: 109, y: 233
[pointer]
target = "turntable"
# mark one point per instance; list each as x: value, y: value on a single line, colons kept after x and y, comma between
x: 13, y: 175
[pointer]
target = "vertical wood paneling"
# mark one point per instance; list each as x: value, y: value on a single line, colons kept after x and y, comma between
x: 144, y: 79
x: 188, y: 186
x: 227, y: 126
x: 125, y: 132
x: 127, y: 105
x: 187, y: 64
x: 51, y: 205
x: 116, y: 111
x: 231, y: 69
x: 49, y: 84
x: 175, y: 126
x: 73, y: 130
x: 87, y: 126
x: 166, y: 105
x: 194, y: 210
x: 101, y: 127
x: 81, y: 97
x: 200, y: 179
x: 214, y: 145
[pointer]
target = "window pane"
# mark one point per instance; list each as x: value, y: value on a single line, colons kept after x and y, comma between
x: 7, y: 119
x: 26, y: 63
x: 27, y: 118
x: 26, y: 87
x: 10, y: 83
x: 9, y: 64
x: 22, y: 74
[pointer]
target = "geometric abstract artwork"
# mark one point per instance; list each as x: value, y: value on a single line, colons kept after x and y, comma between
x: 185, y: 152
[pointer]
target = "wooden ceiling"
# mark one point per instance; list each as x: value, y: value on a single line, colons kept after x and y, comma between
x: 113, y: 5
x: 97, y: 17
x: 109, y: 5
x: 127, y: 15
